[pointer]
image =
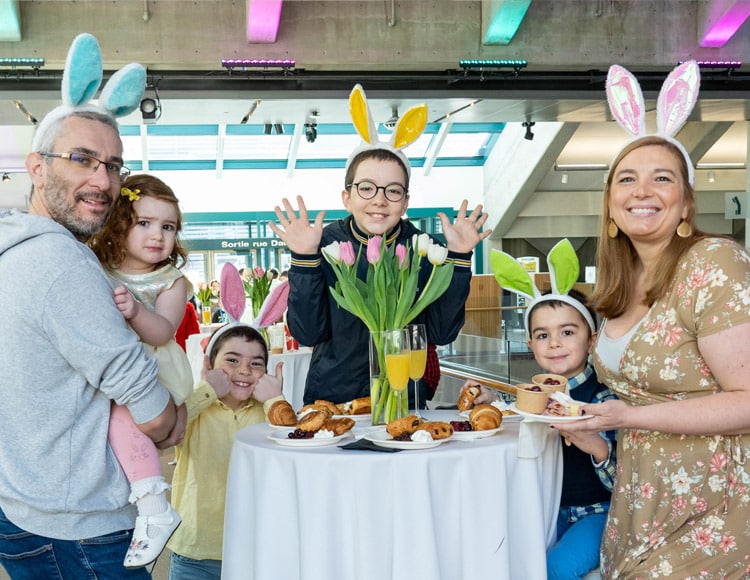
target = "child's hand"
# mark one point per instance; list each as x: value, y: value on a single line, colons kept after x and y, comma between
x: 269, y: 386
x: 217, y: 378
x: 126, y: 304
x: 300, y: 236
x: 463, y: 235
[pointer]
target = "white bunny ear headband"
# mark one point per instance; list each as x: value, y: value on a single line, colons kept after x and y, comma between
x: 81, y: 79
x: 563, y: 273
x: 676, y: 100
x: 407, y: 130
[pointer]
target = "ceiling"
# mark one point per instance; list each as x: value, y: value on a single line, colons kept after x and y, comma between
x: 209, y: 122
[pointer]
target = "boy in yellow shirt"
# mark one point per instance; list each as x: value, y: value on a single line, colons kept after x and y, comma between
x: 235, y: 391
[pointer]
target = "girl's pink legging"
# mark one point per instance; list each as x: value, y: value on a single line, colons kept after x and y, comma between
x: 134, y: 450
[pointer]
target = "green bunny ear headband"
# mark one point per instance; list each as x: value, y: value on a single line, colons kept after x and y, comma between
x: 563, y: 273
x: 408, y: 129
x: 81, y: 79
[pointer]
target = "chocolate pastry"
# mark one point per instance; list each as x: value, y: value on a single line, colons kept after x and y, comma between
x: 438, y: 429
x: 403, y: 426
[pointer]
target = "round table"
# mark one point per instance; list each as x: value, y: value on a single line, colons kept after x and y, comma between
x: 463, y: 510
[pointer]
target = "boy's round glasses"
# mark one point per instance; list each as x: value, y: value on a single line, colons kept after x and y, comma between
x: 368, y: 190
x: 90, y: 163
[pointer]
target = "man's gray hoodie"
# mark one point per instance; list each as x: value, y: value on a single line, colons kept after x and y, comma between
x: 65, y: 354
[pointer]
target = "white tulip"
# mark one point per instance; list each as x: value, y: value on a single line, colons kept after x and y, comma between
x: 437, y: 254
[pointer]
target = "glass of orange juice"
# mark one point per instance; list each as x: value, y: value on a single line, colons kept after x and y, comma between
x: 418, y: 360
x: 397, y: 363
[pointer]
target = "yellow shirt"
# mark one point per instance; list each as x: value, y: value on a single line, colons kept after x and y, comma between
x: 200, y: 476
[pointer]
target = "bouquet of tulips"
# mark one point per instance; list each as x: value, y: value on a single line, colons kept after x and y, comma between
x: 204, y: 294
x: 257, y: 289
x: 387, y: 298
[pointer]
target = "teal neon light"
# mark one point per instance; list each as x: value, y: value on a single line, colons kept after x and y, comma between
x: 505, y: 22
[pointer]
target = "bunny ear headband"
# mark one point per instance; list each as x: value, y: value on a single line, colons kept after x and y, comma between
x: 563, y: 273
x: 408, y: 129
x: 233, y: 302
x: 81, y: 79
x: 675, y: 103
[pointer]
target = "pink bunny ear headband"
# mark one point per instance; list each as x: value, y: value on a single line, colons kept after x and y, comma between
x: 676, y: 100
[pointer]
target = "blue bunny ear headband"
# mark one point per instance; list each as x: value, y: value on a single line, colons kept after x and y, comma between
x: 408, y: 129
x: 563, y: 273
x: 81, y: 79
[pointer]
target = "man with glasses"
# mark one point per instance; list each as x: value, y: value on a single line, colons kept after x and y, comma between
x: 66, y: 354
x: 376, y: 194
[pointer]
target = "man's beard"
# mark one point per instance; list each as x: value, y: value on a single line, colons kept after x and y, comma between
x: 65, y: 214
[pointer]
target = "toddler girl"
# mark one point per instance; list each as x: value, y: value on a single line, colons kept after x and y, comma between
x: 138, y: 247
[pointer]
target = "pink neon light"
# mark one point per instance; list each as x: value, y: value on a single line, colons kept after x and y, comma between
x: 725, y: 27
x: 263, y: 20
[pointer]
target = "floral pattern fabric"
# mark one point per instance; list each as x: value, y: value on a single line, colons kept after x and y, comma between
x: 681, y: 503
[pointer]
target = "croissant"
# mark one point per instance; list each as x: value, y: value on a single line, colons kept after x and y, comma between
x: 282, y: 413
x: 438, y: 429
x: 485, y: 417
x: 338, y: 426
x: 466, y: 398
x: 404, y: 425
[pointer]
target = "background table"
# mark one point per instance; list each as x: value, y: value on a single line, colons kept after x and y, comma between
x: 463, y: 510
x: 296, y: 364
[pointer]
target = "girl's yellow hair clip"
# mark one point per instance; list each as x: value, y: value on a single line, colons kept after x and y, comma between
x: 408, y: 129
x: 131, y: 194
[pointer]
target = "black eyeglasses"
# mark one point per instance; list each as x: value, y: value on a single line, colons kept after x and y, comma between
x: 85, y: 162
x: 368, y: 190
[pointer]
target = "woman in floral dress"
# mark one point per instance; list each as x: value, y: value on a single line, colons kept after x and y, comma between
x: 675, y: 348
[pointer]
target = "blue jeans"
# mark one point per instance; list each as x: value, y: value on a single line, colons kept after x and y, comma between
x: 576, y: 552
x: 26, y: 556
x: 184, y: 568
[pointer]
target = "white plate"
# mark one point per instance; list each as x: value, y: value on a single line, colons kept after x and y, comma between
x: 549, y: 418
x: 382, y: 438
x: 358, y: 418
x: 469, y: 435
x: 281, y: 427
x: 506, y: 418
x: 281, y: 437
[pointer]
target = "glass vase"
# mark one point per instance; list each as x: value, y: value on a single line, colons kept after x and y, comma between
x: 383, y: 399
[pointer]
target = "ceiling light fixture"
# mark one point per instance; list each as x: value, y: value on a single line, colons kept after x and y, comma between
x: 6, y: 177
x: 390, y: 124
x: 711, y: 176
x: 529, y: 136
x: 478, y: 64
x: 581, y: 167
x: 151, y: 107
x: 564, y: 178
x: 14, y: 63
x: 286, y: 66
x: 279, y: 128
x: 311, y: 132
x: 267, y: 129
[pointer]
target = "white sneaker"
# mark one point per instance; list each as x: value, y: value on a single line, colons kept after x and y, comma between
x: 150, y: 536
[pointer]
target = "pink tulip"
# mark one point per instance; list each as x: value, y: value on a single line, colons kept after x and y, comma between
x: 401, y: 254
x: 373, y: 249
x: 347, y: 253
x: 258, y: 272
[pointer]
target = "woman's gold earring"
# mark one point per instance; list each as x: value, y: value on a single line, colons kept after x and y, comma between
x: 612, y: 229
x: 684, y: 230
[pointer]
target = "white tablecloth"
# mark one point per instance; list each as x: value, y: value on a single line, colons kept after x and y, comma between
x: 296, y: 363
x: 461, y: 511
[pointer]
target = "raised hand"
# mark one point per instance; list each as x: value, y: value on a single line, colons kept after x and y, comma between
x: 126, y: 304
x: 295, y: 230
x: 269, y: 386
x: 463, y: 234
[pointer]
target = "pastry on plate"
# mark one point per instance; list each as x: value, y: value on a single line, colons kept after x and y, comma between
x: 438, y: 429
x: 403, y: 426
x: 282, y: 413
x: 485, y: 417
x: 313, y: 420
x: 338, y: 426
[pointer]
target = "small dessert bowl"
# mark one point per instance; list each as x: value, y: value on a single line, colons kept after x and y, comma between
x: 551, y: 382
x: 530, y: 400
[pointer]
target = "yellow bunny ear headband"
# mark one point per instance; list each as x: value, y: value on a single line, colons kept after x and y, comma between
x: 408, y: 129
x: 81, y: 79
x: 563, y: 273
